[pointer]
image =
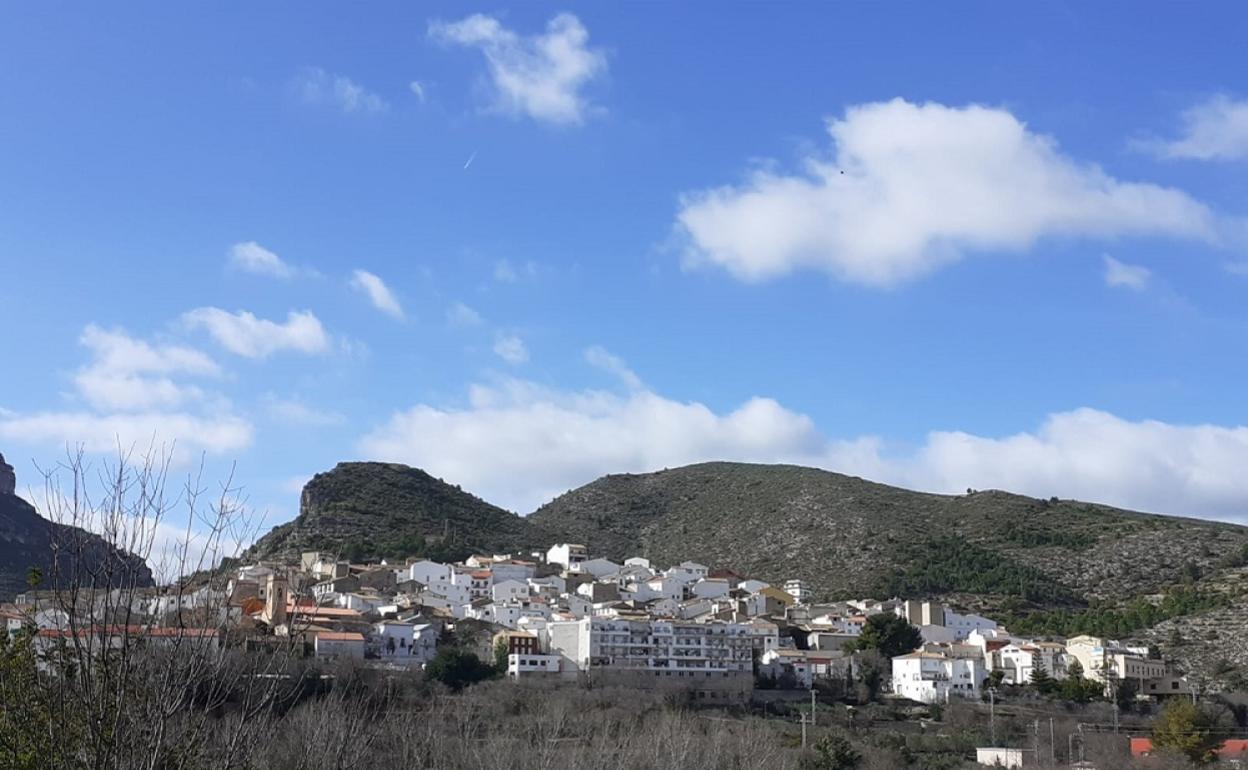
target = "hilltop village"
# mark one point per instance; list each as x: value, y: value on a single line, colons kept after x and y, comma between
x: 712, y: 633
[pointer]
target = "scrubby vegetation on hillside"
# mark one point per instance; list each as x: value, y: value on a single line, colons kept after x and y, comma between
x: 382, y: 510
x: 1115, y: 622
x: 947, y: 565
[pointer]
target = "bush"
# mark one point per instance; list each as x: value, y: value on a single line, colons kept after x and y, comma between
x: 457, y: 669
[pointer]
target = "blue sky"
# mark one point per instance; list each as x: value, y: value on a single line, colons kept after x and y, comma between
x: 939, y: 247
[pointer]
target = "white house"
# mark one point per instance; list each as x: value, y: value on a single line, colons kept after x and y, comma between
x: 403, y: 641
x: 477, y: 581
x: 694, y: 570
x: 521, y: 664
x: 638, y: 561
x: 933, y: 634
x: 360, y: 602
x: 932, y: 677
x: 798, y: 590
x: 711, y: 588
x: 509, y: 590
x: 663, y: 607
x: 964, y: 625
x: 752, y: 586
x: 426, y: 572
x: 510, y: 614
x: 566, y: 554
x: 1006, y: 758
x: 513, y: 569
x: 551, y: 585
x: 668, y: 586
x: 577, y: 605
x: 764, y: 635
x: 694, y: 608
x: 804, y: 666
x: 1019, y: 661
x: 599, y: 568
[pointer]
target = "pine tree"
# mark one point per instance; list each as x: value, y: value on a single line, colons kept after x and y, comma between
x: 1040, y: 679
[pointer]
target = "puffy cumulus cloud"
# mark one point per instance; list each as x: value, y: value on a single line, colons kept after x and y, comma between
x: 1216, y: 129
x: 137, y: 395
x: 910, y: 187
x: 316, y: 86
x: 520, y: 444
x: 246, y: 335
x: 1093, y: 455
x: 511, y: 349
x: 251, y: 257
x: 540, y: 76
x: 130, y: 374
x: 378, y: 293
x: 1122, y: 275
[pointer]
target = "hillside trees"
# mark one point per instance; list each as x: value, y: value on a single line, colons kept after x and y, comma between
x: 1185, y: 728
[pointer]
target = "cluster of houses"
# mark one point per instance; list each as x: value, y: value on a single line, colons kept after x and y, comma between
x: 710, y: 632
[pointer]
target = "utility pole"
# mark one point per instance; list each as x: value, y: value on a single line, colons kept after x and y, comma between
x: 992, y: 713
x: 1035, y: 740
x: 1052, y: 744
x: 812, y: 706
x: 803, y: 718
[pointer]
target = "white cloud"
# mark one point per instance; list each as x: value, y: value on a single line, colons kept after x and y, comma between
x: 1120, y: 274
x: 1216, y: 129
x: 1094, y: 455
x: 316, y: 86
x: 519, y: 444
x: 251, y: 257
x: 461, y: 316
x: 246, y: 335
x: 138, y: 397
x: 612, y: 364
x: 911, y: 187
x: 106, y: 432
x: 511, y: 349
x: 129, y: 374
x: 295, y: 412
x: 540, y: 76
x: 417, y: 88
x: 378, y: 293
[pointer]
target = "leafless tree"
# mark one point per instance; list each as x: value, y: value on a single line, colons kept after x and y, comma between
x: 135, y: 675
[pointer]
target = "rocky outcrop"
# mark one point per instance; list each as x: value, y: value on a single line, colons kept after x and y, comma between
x: 362, y: 510
x: 8, y: 479
x: 27, y: 539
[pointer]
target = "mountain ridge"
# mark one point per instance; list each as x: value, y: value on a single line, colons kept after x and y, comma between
x: 26, y: 540
x: 1045, y: 567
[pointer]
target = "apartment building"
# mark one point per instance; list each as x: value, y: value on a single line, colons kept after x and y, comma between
x: 933, y: 677
x: 712, y: 660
